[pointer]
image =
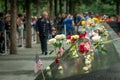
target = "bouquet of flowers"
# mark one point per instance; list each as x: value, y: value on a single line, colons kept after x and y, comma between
x: 58, y: 43
x: 85, y: 45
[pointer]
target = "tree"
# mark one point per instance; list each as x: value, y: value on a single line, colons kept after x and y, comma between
x: 38, y: 8
x: 60, y: 6
x: 116, y: 2
x: 28, y: 25
x: 55, y: 6
x: 51, y: 8
x: 6, y: 6
x: 13, y: 48
x: 38, y: 16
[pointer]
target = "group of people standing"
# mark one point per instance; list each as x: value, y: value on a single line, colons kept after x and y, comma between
x: 5, y: 28
x: 4, y: 25
x: 70, y: 22
x: 63, y: 23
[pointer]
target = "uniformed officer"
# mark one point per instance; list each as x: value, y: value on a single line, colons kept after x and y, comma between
x: 44, y: 29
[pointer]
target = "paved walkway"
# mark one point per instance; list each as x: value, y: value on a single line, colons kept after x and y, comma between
x: 20, y: 66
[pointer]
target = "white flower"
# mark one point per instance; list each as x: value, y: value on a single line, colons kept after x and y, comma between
x: 48, y: 68
x: 52, y: 41
x: 89, y: 66
x: 60, y: 37
x: 102, y: 46
x: 75, y: 55
x: 63, y: 36
x: 87, y: 62
x: 85, y: 68
x: 95, y: 34
x: 96, y: 39
x: 60, y: 68
x: 88, y: 56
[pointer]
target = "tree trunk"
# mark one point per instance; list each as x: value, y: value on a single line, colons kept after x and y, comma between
x: 38, y: 8
x: 117, y: 8
x: 65, y: 6
x: 18, y: 5
x: 55, y: 6
x: 28, y: 25
x: 51, y: 8
x: 38, y: 16
x: 13, y: 48
x: 5, y: 3
x: 71, y: 6
x: 60, y: 5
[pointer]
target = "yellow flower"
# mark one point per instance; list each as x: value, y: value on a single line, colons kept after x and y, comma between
x: 75, y: 37
x: 90, y: 22
x: 83, y: 22
x: 72, y: 48
x: 96, y: 20
x: 68, y: 41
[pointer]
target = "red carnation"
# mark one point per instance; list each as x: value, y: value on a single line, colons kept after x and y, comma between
x: 83, y: 48
x: 82, y: 35
x: 86, y: 49
x: 69, y: 36
x: 57, y: 60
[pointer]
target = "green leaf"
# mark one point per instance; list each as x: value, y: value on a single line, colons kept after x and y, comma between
x: 51, y: 52
x: 56, y: 44
x: 103, y: 50
x: 60, y: 44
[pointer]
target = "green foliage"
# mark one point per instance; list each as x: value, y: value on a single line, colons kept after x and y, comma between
x: 58, y: 45
x: 97, y: 7
x: 51, y: 52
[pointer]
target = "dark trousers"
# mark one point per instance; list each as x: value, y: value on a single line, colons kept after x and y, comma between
x: 43, y: 40
x: 2, y: 42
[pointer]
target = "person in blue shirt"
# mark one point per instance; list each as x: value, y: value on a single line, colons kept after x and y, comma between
x: 79, y: 19
x: 86, y: 15
x: 68, y: 21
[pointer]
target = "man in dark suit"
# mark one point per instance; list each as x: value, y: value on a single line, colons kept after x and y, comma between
x: 44, y: 29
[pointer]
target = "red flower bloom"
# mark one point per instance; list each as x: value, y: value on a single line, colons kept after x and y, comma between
x: 86, y: 49
x: 73, y: 40
x: 57, y: 60
x: 83, y: 48
x: 69, y: 36
x: 82, y: 35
